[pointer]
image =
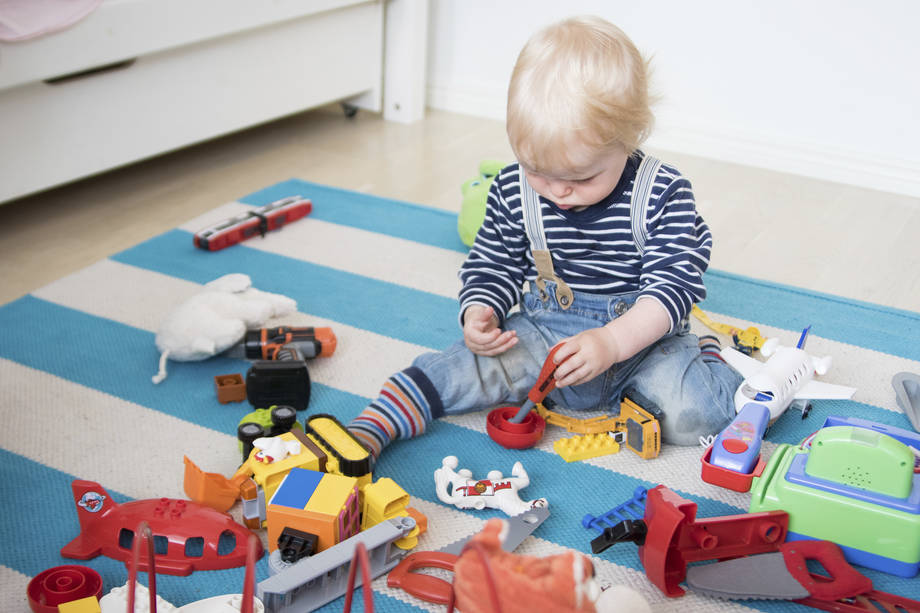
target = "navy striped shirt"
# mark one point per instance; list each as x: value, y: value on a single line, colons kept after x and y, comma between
x: 593, y: 250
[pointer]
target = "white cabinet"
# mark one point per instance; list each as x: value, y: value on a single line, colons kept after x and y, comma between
x: 140, y: 77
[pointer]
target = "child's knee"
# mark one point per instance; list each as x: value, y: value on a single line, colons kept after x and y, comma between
x: 695, y: 396
x: 697, y: 409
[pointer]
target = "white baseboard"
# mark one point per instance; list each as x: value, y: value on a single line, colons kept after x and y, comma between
x: 871, y: 171
x: 692, y: 137
x: 483, y: 99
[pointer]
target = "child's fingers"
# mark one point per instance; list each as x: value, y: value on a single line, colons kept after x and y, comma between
x: 499, y: 344
x: 502, y: 344
x: 484, y: 337
x: 575, y: 376
x: 569, y: 371
x: 568, y: 348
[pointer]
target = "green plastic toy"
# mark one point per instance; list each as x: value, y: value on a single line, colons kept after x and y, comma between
x: 853, y: 485
x: 272, y: 421
x: 475, y: 194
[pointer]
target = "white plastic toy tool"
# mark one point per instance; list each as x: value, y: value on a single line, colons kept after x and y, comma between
x: 787, y: 375
x: 496, y: 492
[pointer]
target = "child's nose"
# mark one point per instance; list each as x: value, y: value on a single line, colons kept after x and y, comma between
x: 560, y: 189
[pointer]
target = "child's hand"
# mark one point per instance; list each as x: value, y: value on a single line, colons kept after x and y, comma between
x: 585, y: 355
x: 482, y: 334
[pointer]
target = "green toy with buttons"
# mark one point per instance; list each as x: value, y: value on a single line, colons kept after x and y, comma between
x: 475, y: 194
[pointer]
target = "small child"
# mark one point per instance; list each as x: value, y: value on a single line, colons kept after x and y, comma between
x: 609, y: 242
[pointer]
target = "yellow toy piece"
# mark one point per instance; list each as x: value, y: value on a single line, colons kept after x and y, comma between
x: 635, y: 426
x: 383, y: 500
x: 81, y: 605
x: 586, y: 446
x: 344, y: 454
x: 269, y: 475
x: 746, y: 341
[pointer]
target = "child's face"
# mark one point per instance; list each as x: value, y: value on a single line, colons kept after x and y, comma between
x: 590, y: 180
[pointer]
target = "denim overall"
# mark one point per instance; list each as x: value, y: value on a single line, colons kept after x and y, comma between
x: 696, y: 396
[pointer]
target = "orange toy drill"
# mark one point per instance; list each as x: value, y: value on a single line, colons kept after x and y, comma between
x: 264, y: 344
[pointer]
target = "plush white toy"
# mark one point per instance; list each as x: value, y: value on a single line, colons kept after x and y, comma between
x: 215, y: 319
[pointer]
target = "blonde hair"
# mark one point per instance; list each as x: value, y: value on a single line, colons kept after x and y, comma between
x: 580, y: 81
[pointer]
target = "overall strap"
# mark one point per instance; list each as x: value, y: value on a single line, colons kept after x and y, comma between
x: 533, y: 226
x: 641, y: 193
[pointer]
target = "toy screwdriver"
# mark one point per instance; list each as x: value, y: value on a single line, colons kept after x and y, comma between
x: 546, y: 383
x: 310, y: 342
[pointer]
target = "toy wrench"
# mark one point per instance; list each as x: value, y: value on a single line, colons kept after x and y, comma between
x: 784, y: 575
x: 546, y: 383
x: 437, y: 590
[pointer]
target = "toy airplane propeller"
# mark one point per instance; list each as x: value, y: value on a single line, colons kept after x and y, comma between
x: 787, y: 375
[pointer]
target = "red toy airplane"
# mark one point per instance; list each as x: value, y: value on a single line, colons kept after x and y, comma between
x: 187, y: 536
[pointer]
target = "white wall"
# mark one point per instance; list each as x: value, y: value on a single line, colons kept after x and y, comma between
x: 823, y: 88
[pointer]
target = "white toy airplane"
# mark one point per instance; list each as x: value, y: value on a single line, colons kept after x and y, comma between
x: 784, y: 377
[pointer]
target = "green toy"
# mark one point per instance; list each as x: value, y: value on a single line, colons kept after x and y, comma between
x: 272, y: 421
x: 475, y: 194
x: 852, y: 483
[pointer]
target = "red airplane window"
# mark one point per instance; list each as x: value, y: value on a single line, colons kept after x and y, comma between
x: 226, y: 544
x: 126, y: 538
x: 194, y: 547
x: 160, y: 544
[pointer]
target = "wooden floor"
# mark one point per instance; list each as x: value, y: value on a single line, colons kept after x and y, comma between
x: 831, y: 238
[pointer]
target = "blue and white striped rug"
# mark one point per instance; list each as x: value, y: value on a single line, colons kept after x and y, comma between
x: 76, y: 358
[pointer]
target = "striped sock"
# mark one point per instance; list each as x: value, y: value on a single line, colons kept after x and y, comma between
x: 710, y: 348
x: 407, y: 402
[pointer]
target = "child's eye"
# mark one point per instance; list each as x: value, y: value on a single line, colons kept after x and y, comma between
x: 584, y: 180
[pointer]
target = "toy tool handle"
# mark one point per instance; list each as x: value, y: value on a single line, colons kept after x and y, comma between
x: 845, y: 581
x: 311, y: 342
x: 427, y: 587
x: 546, y: 382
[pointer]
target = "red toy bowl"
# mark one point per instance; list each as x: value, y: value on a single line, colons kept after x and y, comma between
x: 61, y: 584
x: 511, y: 435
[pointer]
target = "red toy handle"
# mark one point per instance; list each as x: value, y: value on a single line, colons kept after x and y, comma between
x: 845, y: 581
x: 546, y: 382
x: 426, y: 587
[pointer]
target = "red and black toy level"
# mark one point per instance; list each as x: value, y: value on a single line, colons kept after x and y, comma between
x: 258, y: 221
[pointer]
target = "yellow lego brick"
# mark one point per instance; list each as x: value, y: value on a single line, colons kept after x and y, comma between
x: 586, y: 446
x: 81, y: 605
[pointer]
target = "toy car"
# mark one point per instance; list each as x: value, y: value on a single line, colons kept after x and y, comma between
x: 272, y: 421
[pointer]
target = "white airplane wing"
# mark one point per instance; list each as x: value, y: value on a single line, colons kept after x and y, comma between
x: 744, y: 364
x: 819, y: 389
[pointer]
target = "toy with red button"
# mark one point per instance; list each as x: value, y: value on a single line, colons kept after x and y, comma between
x: 733, y: 459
